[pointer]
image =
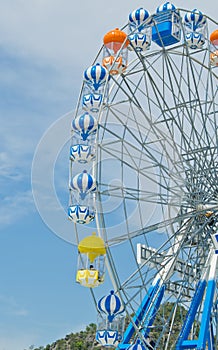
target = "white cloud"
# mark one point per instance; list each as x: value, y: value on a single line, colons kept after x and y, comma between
x: 15, y: 206
x: 6, y: 169
x: 48, y: 30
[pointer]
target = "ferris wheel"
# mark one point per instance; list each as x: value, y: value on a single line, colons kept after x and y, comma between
x: 143, y: 176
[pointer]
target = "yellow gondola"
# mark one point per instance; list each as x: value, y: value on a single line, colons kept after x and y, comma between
x: 91, y: 261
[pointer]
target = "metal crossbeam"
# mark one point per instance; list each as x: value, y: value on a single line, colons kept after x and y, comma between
x: 145, y: 253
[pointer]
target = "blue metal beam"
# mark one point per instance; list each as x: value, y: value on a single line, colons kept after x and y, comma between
x: 208, y: 304
x: 182, y: 342
x: 152, y: 312
x: 204, y: 334
x: 148, y: 302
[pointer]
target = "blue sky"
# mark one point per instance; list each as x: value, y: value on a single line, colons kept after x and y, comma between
x: 45, y: 45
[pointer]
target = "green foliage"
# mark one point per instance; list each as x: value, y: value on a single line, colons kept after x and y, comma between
x: 83, y: 340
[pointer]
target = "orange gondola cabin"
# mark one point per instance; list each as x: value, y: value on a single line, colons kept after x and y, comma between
x: 115, y: 51
x: 214, y: 48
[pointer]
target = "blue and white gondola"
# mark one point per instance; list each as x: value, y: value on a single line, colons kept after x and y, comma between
x: 167, y: 6
x: 139, y: 41
x: 81, y: 153
x: 92, y: 102
x: 194, y: 19
x: 84, y: 183
x: 111, y: 305
x: 80, y: 214
x: 108, y: 338
x: 194, y: 40
x: 95, y: 75
x: 85, y: 125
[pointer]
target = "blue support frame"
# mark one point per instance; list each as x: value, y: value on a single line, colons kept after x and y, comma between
x: 204, y: 334
x: 204, y: 329
x: 190, y: 317
x: 152, y: 313
x: 150, y: 305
